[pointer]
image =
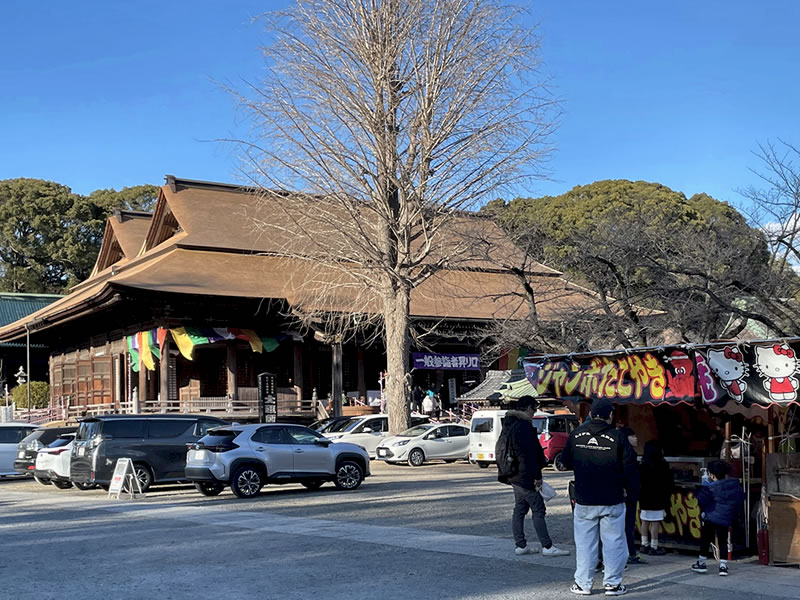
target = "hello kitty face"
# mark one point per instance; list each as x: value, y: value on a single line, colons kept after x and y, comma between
x: 727, y: 364
x: 776, y: 361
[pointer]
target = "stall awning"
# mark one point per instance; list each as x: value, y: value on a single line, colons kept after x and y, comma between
x: 733, y: 375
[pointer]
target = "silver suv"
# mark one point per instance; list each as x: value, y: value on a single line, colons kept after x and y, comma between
x: 248, y: 456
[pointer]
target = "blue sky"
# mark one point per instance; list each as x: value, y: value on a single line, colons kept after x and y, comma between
x: 98, y: 94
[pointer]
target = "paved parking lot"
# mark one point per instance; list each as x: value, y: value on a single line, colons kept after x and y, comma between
x: 438, y: 531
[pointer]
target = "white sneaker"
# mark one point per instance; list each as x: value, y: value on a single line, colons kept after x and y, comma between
x: 553, y: 551
x: 526, y: 550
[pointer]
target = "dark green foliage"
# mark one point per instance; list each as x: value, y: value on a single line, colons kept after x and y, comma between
x: 40, y: 395
x: 50, y: 236
x: 642, y: 245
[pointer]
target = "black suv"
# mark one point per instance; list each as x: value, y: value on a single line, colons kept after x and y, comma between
x: 33, y: 442
x: 155, y: 443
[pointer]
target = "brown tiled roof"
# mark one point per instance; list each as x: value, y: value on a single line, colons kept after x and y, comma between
x: 123, y: 237
x: 201, y: 241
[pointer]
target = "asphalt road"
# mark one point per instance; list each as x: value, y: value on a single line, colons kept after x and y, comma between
x: 438, y: 531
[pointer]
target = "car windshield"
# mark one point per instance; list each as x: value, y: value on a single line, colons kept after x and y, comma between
x: 539, y: 424
x: 332, y: 426
x: 61, y: 441
x: 87, y: 430
x: 415, y: 431
x: 482, y: 424
x: 350, y: 425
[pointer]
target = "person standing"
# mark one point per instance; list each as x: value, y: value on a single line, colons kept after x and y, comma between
x: 657, y: 484
x: 416, y: 399
x: 604, y: 466
x: 427, y: 404
x: 524, y: 446
x: 720, y: 499
x: 631, y: 500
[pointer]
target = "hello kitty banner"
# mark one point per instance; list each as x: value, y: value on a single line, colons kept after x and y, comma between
x: 751, y: 374
x: 758, y: 374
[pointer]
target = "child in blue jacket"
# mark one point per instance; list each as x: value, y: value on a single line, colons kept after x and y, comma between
x: 719, y: 501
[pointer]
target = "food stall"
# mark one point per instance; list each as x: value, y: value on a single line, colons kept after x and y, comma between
x: 733, y: 400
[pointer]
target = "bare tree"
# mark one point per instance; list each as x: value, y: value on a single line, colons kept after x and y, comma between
x: 390, y: 117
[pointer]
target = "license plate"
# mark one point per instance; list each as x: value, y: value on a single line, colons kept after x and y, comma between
x: 480, y: 456
x: 21, y: 454
x: 381, y: 451
x: 198, y: 455
x: 81, y: 451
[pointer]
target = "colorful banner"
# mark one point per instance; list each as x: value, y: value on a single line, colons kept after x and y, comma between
x: 446, y: 362
x: 654, y: 376
x: 746, y: 374
x: 146, y: 345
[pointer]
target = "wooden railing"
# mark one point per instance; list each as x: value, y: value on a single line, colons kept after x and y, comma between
x: 244, y: 406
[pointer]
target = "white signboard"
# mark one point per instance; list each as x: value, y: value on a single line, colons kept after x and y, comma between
x: 124, y: 479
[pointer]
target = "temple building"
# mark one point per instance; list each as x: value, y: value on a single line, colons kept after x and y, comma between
x: 187, y: 305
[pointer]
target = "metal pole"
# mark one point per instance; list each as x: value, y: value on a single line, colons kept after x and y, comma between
x: 28, y: 367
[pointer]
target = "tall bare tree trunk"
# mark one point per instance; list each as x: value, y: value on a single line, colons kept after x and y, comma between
x: 398, y: 390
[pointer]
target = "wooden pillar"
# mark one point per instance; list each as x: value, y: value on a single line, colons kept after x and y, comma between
x: 336, y: 376
x: 298, y: 370
x: 362, y: 381
x: 163, y: 379
x: 233, y: 386
x: 727, y: 444
x: 142, y: 386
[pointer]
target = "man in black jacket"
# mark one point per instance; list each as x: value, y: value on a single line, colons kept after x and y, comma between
x: 604, y: 465
x: 525, y: 447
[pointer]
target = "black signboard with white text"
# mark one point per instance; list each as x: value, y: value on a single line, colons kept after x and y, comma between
x: 267, y: 398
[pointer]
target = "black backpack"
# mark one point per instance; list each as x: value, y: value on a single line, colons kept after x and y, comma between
x: 507, y: 463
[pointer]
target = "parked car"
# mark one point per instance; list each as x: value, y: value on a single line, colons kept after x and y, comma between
x: 368, y: 431
x: 248, y: 456
x: 36, y: 440
x: 155, y: 443
x: 52, y: 462
x: 11, y: 434
x: 485, y: 427
x: 554, y: 430
x: 448, y: 442
x: 331, y: 424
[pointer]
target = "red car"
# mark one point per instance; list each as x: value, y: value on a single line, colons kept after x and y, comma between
x: 554, y: 430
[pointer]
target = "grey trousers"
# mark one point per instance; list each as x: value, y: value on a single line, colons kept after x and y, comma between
x: 529, y: 500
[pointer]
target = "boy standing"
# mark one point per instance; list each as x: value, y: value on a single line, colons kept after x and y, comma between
x: 719, y: 500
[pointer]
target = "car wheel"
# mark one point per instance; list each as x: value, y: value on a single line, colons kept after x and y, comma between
x: 62, y: 485
x: 313, y: 485
x: 145, y: 476
x: 84, y: 486
x: 246, y: 482
x: 416, y: 457
x: 559, y: 466
x: 349, y: 475
x: 483, y: 465
x: 42, y: 481
x: 209, y: 488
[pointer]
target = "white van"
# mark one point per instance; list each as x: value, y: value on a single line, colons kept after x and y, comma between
x: 485, y: 428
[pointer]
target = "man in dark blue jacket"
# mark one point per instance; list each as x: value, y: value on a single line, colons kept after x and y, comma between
x: 605, y: 467
x: 525, y: 447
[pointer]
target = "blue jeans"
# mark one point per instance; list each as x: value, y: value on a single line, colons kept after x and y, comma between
x: 590, y: 525
x: 529, y: 500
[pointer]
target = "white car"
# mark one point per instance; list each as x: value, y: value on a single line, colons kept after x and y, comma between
x: 429, y: 441
x: 368, y: 431
x: 52, y: 462
x: 11, y: 434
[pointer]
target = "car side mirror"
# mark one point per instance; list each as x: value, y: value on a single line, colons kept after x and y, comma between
x: 322, y: 442
x: 367, y: 430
